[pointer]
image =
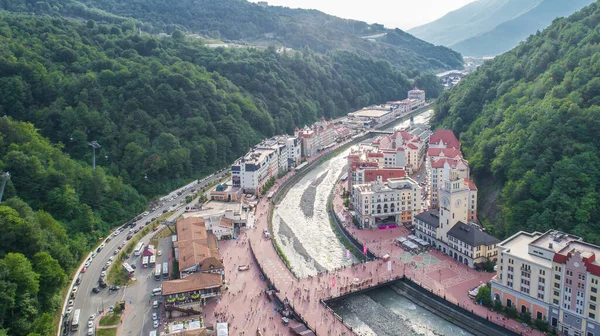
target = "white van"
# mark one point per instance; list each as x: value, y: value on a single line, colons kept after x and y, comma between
x: 156, y: 291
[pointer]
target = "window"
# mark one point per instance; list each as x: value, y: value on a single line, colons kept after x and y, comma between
x: 590, y: 333
x: 556, y: 276
x: 569, y: 273
x: 592, y: 306
x: 592, y: 298
x: 541, y: 280
x: 592, y: 315
x: 539, y: 315
x: 555, y: 301
x: 556, y: 293
x: 556, y: 285
x: 594, y: 289
x: 540, y: 296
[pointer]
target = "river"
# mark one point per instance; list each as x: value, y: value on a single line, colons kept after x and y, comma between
x: 301, y: 221
x: 302, y: 228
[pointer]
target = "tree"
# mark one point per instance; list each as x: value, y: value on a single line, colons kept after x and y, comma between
x: 526, y: 317
x: 51, y: 276
x: 177, y: 34
x: 485, y: 296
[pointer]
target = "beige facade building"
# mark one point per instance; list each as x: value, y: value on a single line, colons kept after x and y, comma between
x: 552, y: 275
x: 394, y: 201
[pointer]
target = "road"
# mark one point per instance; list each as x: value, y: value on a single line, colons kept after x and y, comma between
x: 91, y: 303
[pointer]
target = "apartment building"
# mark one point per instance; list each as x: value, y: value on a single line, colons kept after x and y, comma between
x: 263, y: 161
x: 366, y: 164
x: 395, y: 201
x: 316, y: 138
x: 554, y: 276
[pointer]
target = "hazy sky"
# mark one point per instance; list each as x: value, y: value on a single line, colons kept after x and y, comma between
x: 403, y: 14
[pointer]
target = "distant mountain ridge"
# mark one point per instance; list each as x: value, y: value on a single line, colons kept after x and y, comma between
x: 240, y: 20
x: 492, y: 27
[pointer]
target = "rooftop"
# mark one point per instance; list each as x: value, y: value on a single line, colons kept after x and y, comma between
x: 558, y: 239
x: 370, y: 113
x: 215, y: 208
x: 194, y: 282
x: 430, y: 217
x: 447, y: 137
x: 518, y: 245
x: 194, y: 243
x: 471, y: 234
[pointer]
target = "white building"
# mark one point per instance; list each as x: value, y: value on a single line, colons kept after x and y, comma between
x: 394, y: 201
x: 416, y: 94
x: 263, y: 161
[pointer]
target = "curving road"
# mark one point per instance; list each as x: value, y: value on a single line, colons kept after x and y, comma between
x: 91, y: 303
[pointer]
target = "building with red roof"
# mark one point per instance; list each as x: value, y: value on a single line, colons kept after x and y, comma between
x: 444, y: 139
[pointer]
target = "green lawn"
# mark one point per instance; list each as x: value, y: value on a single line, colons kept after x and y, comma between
x: 110, y: 319
x: 106, y: 332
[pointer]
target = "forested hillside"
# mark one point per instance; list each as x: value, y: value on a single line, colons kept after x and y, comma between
x: 73, y: 206
x: 529, y: 122
x: 159, y: 115
x: 241, y: 20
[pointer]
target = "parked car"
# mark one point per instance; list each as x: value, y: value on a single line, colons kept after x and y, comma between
x: 129, y: 237
x: 87, y: 264
x: 155, y: 324
x: 165, y: 211
x: 114, y: 288
x: 69, y: 310
x: 103, y: 274
x: 92, y: 317
x: 111, y: 258
x: 90, y: 324
x: 148, y: 222
x: 90, y: 332
x: 155, y: 228
x: 154, y: 316
x: 243, y: 267
x: 116, y: 252
x: 71, y: 302
x: 83, y: 270
x: 159, y: 253
x: 102, y: 285
x: 140, y: 217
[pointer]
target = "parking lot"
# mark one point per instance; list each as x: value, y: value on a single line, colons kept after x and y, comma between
x: 138, y: 296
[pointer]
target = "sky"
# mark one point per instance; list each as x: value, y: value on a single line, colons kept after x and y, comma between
x: 403, y: 14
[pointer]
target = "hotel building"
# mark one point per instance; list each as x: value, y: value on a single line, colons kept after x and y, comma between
x: 554, y: 276
x: 394, y: 201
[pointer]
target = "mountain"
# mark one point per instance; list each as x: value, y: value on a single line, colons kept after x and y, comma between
x: 528, y: 122
x: 471, y: 20
x: 491, y: 27
x: 239, y: 20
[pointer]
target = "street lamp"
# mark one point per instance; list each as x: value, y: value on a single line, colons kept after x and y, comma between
x: 94, y: 144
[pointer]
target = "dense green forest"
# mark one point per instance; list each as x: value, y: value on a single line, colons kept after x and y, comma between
x: 54, y: 210
x: 241, y: 20
x: 158, y: 107
x: 529, y: 120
